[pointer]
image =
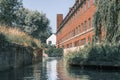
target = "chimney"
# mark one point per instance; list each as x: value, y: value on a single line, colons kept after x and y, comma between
x: 59, y: 20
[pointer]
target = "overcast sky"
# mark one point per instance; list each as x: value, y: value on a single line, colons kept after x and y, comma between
x: 50, y: 8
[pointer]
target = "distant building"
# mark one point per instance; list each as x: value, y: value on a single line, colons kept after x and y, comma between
x: 51, y: 40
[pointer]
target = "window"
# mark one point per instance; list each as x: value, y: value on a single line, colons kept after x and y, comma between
x: 81, y: 9
x: 70, y: 33
x: 85, y: 6
x: 79, y: 1
x: 79, y: 12
x: 93, y: 37
x: 79, y: 29
x: 76, y: 43
x: 82, y: 42
x: 67, y: 45
x: 73, y: 32
x: 89, y: 39
x: 62, y: 46
x: 49, y: 42
x: 92, y: 23
x: 73, y: 45
x: 88, y: 3
x: 84, y: 26
x: 70, y: 45
x: 89, y: 23
x: 76, y: 32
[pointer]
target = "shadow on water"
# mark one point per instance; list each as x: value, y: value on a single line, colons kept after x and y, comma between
x: 16, y: 74
x: 26, y: 73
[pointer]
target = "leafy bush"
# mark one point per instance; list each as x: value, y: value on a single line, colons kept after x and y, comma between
x: 97, y: 53
x: 52, y: 51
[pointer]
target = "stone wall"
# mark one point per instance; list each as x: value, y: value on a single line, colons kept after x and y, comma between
x: 13, y: 56
x: 38, y: 53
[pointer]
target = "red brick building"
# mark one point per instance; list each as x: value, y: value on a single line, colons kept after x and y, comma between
x: 76, y: 29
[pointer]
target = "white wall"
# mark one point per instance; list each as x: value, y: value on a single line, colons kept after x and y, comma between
x: 72, y: 49
x: 52, y: 38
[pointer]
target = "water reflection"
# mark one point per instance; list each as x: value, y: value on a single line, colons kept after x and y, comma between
x: 51, y: 70
x: 87, y: 74
x: 76, y: 73
x: 55, y: 69
x: 19, y: 74
x: 41, y: 71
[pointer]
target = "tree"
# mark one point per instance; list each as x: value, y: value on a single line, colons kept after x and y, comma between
x: 21, y: 16
x: 40, y: 23
x: 8, y: 10
x: 34, y: 23
x: 108, y: 16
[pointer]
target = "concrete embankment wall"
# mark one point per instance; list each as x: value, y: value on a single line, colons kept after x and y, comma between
x: 14, y: 55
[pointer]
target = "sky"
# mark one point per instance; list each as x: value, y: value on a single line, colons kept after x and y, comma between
x: 50, y: 8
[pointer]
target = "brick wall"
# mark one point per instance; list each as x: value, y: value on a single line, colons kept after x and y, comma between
x: 77, y: 27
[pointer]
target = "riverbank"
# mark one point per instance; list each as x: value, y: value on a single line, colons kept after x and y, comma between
x: 17, y: 48
x: 102, y: 56
x: 14, y: 35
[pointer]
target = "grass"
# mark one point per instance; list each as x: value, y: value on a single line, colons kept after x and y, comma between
x: 16, y: 36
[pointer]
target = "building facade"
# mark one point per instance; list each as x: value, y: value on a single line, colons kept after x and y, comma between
x: 76, y: 29
x: 51, y: 40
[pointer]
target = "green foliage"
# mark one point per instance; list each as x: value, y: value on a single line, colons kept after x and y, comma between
x: 8, y: 10
x: 52, y: 51
x: 34, y: 23
x: 107, y: 16
x: 21, y: 16
x: 97, y: 53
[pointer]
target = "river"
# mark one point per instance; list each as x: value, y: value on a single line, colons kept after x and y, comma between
x: 55, y: 69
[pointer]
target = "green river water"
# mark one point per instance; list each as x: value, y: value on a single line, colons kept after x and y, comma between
x: 55, y: 69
